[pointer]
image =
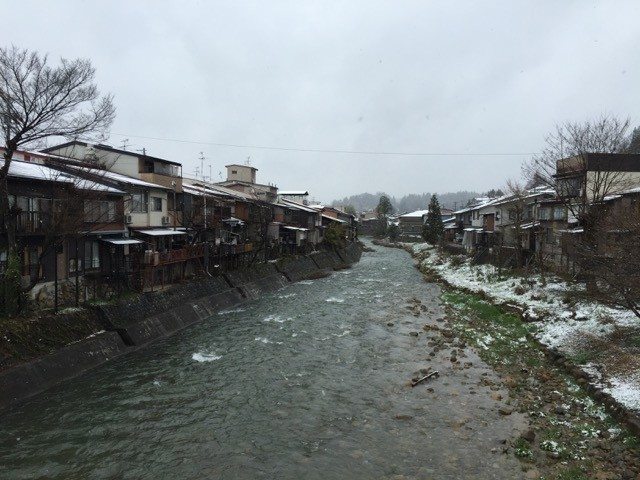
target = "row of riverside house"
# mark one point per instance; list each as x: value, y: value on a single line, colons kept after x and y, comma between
x: 544, y: 222
x: 94, y: 221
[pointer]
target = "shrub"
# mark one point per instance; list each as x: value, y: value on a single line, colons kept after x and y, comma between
x: 393, y: 232
x: 457, y: 260
x: 11, y: 295
x: 335, y: 235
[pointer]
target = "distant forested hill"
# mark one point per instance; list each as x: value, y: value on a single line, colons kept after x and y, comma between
x: 414, y: 201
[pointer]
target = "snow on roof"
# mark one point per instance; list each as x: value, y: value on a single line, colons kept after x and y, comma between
x: 293, y: 192
x: 201, y: 190
x: 122, y: 241
x: 36, y: 171
x: 160, y: 232
x: 217, y: 189
x: 288, y: 227
x: 328, y: 217
x: 299, y: 206
x: 117, y: 177
x: 233, y: 193
x: 416, y: 214
x: 488, y: 202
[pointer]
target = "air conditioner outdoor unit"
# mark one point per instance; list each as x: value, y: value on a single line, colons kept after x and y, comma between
x: 165, y: 220
x: 127, y: 219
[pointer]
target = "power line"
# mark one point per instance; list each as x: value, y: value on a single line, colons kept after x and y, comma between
x: 321, y: 150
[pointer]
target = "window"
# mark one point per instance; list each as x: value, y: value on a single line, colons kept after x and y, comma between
x: 559, y: 213
x: 3, y: 261
x: 234, y: 171
x: 570, y: 187
x: 31, y: 261
x: 91, y: 255
x: 156, y: 204
x: 99, y: 211
x: 544, y: 213
x: 165, y: 169
x: 139, y: 203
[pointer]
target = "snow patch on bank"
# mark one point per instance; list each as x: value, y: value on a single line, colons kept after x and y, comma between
x: 560, y: 322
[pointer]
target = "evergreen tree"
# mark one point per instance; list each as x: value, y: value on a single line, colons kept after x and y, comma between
x: 434, y: 228
x: 634, y: 141
x: 384, y: 206
x: 393, y: 232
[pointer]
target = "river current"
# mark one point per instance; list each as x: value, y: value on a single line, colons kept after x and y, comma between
x: 307, y: 382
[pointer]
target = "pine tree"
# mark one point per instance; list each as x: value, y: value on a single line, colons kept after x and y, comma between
x: 634, y: 141
x: 434, y: 228
x: 384, y: 206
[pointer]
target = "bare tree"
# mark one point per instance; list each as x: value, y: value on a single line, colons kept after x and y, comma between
x: 39, y: 101
x: 612, y: 258
x: 566, y: 150
x: 516, y: 211
x: 585, y: 181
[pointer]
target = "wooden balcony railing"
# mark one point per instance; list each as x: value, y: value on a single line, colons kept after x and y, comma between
x: 188, y: 252
x: 33, y: 222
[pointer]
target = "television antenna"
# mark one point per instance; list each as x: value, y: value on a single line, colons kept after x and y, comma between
x: 202, y: 158
x: 125, y: 143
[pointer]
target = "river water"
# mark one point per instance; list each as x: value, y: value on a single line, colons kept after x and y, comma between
x: 307, y: 382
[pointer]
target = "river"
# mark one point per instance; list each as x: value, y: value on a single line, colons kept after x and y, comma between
x: 306, y: 382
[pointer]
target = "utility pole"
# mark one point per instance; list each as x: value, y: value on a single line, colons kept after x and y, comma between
x: 144, y: 151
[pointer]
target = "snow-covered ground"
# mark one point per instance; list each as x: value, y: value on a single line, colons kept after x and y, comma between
x: 561, y: 322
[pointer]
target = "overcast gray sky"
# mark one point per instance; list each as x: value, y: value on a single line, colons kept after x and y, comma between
x: 395, y: 76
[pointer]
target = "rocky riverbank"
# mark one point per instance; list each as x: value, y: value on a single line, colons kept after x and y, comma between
x: 572, y: 433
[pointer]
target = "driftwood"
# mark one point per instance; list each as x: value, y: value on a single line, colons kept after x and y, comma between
x: 420, y: 380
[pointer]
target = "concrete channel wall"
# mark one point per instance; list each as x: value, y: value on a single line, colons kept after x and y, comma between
x: 138, y: 321
x: 28, y: 379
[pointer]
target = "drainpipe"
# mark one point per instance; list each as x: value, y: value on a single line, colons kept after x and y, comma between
x: 77, y: 272
x: 55, y: 276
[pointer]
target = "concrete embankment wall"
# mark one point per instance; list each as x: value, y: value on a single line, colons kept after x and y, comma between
x: 328, y: 260
x: 299, y: 268
x: 254, y: 281
x: 28, y: 379
x: 155, y: 315
x: 141, y: 320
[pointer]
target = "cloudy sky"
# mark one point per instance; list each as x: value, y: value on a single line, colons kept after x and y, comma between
x: 463, y: 79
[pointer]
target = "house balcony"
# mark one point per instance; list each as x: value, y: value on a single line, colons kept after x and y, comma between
x: 164, y: 180
x: 32, y: 222
x: 189, y: 252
